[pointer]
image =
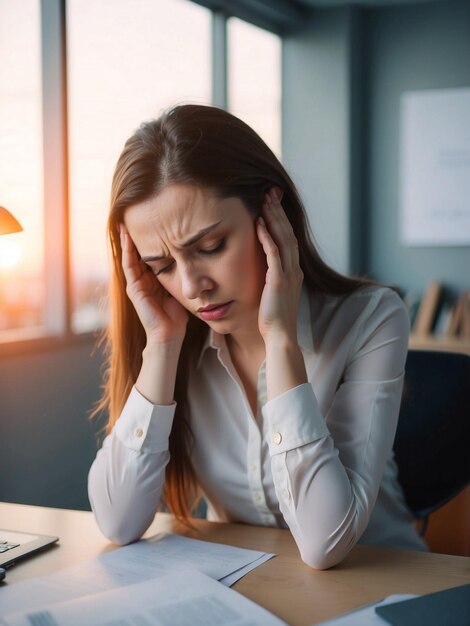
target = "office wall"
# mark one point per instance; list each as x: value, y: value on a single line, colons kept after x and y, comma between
x: 343, y: 77
x: 319, y: 109
x: 417, y: 47
x: 47, y: 442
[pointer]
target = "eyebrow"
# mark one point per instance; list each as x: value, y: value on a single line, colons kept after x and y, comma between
x: 192, y: 240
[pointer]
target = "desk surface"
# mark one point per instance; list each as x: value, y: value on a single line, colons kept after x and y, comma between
x: 284, y: 585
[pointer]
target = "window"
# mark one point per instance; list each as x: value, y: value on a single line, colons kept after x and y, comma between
x: 21, y: 192
x: 127, y: 61
x: 254, y: 79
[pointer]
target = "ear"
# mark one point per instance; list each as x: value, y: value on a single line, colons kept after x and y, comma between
x: 279, y: 193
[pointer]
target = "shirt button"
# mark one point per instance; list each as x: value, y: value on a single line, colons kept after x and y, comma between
x: 257, y: 497
x: 253, y: 467
x: 287, y: 495
x: 139, y: 432
x: 276, y: 438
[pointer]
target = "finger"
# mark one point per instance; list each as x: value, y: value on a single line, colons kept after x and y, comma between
x: 278, y: 212
x: 271, y: 250
x: 281, y: 231
x: 278, y: 220
x: 128, y: 254
x: 132, y: 265
x: 288, y: 232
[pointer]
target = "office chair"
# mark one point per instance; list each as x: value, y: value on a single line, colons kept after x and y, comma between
x: 432, y: 443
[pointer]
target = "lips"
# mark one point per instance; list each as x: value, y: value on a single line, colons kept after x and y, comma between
x: 211, y: 307
x: 214, y: 311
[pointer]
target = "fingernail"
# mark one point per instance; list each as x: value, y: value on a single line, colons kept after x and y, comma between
x: 261, y: 221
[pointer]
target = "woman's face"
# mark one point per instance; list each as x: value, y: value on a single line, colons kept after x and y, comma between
x: 205, y: 253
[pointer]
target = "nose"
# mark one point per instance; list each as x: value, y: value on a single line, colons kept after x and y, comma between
x: 194, y: 281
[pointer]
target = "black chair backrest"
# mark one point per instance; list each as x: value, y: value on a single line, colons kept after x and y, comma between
x: 432, y: 444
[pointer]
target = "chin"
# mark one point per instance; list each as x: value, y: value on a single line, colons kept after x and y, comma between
x: 233, y: 325
x: 223, y: 327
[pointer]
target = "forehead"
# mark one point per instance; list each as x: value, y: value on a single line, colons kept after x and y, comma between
x: 173, y: 203
x: 177, y: 213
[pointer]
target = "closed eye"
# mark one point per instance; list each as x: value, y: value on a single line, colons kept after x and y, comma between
x: 164, y: 269
x: 217, y: 248
x: 214, y: 250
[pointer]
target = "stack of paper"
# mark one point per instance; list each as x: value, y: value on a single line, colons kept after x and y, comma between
x: 156, y: 581
x: 176, y: 599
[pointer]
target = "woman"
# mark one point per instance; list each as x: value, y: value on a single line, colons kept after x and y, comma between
x: 241, y: 367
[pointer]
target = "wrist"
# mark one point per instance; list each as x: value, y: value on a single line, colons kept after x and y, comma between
x: 283, y: 341
x: 156, y: 380
x: 285, y: 365
x: 162, y: 349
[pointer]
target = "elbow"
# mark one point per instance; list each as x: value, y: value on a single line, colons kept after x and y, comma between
x: 120, y: 536
x: 118, y: 531
x: 324, y: 556
x: 118, y: 517
x: 115, y: 525
x: 319, y: 561
x: 122, y: 524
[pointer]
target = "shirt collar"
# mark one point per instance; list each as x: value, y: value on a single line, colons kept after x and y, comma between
x: 216, y: 341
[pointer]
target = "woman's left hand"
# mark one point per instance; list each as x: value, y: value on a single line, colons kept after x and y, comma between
x: 279, y: 304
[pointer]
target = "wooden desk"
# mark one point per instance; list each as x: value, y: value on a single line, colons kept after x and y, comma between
x: 284, y: 585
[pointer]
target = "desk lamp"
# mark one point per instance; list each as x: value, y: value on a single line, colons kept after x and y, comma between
x: 8, y: 224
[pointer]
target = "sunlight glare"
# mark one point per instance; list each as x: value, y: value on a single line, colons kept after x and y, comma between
x: 10, y: 252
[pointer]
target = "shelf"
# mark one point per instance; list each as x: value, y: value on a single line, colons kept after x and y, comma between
x: 446, y: 344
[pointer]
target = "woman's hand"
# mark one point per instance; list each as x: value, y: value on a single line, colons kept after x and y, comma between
x: 277, y: 317
x: 164, y: 319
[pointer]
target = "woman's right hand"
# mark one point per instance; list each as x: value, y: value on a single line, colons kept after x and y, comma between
x: 164, y: 319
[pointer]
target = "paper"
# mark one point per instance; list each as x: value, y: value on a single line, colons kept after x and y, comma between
x: 365, y: 616
x: 231, y: 579
x: 435, y: 168
x: 177, y: 599
x: 138, y: 562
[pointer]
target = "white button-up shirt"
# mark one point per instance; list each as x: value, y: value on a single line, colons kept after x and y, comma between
x: 316, y: 459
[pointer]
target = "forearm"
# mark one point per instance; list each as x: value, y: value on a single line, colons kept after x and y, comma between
x: 324, y: 534
x: 156, y: 380
x: 124, y: 489
x: 127, y: 477
x: 285, y: 366
x: 326, y: 498
x: 327, y: 509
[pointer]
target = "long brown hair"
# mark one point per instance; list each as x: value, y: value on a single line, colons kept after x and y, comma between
x: 207, y: 147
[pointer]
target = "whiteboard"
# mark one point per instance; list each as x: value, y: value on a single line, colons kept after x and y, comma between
x: 435, y: 168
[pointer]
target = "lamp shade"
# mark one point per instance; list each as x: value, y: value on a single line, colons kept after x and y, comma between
x: 8, y: 224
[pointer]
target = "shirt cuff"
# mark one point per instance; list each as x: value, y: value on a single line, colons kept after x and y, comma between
x: 143, y: 426
x: 294, y: 419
